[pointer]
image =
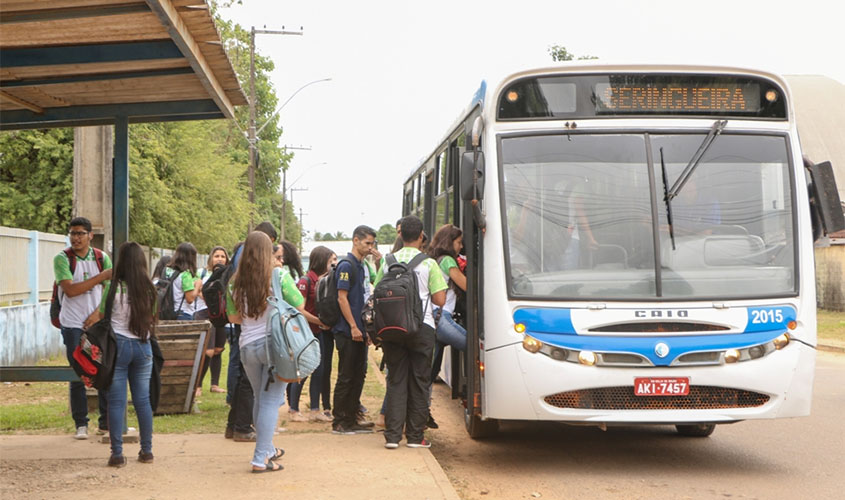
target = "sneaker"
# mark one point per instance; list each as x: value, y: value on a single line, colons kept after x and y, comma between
x: 81, y: 432
x: 361, y: 429
x: 145, y: 458
x: 117, y: 461
x: 362, y: 420
x: 297, y: 416
x: 431, y: 424
x: 362, y: 409
x: 422, y: 444
x: 318, y: 416
x: 391, y: 446
x: 244, y: 437
x: 102, y: 432
x: 341, y: 430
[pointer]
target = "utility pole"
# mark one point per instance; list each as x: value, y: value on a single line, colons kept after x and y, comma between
x: 301, y: 230
x: 251, y: 132
x: 293, y: 190
x: 284, y: 188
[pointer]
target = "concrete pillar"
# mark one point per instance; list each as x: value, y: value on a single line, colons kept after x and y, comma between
x: 92, y: 180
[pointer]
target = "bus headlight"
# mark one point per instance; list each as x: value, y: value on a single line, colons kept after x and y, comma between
x: 531, y: 344
x: 781, y: 341
x: 587, y: 358
x: 732, y: 356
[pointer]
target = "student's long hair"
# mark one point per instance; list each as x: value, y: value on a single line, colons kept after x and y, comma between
x: 211, y: 255
x: 185, y: 258
x: 251, y: 282
x: 443, y: 242
x: 159, y: 269
x: 319, y: 260
x: 130, y: 270
x: 292, y: 259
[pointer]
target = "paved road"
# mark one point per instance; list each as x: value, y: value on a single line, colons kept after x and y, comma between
x: 781, y: 459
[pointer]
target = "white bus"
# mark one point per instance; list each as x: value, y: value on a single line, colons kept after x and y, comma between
x: 639, y: 243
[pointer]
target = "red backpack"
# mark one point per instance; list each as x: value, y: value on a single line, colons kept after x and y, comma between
x: 55, y: 302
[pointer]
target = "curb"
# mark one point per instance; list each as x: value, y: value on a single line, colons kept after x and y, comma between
x: 831, y: 348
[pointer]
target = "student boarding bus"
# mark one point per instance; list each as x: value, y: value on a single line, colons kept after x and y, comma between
x: 639, y: 243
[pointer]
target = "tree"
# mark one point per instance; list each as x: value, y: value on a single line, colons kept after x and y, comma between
x: 386, y: 233
x: 559, y: 53
x: 36, y: 179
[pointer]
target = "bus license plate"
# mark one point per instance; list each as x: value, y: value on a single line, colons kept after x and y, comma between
x: 650, y: 386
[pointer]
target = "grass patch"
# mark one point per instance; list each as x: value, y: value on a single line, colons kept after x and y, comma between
x: 43, y: 408
x: 831, y: 325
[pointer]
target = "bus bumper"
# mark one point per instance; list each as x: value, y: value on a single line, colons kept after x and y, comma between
x: 782, y: 383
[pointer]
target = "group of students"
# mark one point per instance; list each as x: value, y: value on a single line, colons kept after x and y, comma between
x: 254, y: 394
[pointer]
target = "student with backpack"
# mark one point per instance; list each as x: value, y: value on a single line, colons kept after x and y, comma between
x: 247, y: 305
x: 132, y: 319
x: 319, y: 264
x: 350, y: 337
x: 407, y: 330
x: 186, y: 284
x: 217, y: 340
x: 81, y: 271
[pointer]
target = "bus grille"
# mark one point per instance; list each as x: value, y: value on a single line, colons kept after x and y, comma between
x: 700, y: 397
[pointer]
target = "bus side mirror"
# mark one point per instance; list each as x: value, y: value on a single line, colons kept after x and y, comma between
x: 824, y: 198
x: 472, y: 175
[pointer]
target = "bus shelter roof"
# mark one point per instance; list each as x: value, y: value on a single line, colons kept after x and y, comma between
x: 67, y: 63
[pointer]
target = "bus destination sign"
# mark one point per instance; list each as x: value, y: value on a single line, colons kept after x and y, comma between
x: 676, y: 98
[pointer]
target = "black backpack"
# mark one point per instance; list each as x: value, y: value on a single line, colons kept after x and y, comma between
x: 214, y: 294
x: 397, y: 306
x: 164, y: 290
x: 328, y: 310
x: 55, y: 300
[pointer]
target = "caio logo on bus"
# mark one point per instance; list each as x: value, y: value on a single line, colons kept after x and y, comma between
x: 661, y: 313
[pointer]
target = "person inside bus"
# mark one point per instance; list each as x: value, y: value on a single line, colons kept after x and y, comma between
x: 694, y: 212
x: 582, y: 244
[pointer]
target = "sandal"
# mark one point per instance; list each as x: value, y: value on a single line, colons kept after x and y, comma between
x: 270, y: 466
x: 279, y: 454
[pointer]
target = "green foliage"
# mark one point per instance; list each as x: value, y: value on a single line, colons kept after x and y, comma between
x: 386, y: 234
x: 36, y: 179
x: 559, y: 53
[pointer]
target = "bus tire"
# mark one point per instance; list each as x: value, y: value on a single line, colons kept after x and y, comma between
x: 695, y: 430
x: 477, y: 428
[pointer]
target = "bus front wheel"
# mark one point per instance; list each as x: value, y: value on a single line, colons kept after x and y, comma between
x: 478, y: 428
x: 695, y: 430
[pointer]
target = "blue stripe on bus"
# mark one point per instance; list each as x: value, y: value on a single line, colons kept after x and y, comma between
x: 554, y: 327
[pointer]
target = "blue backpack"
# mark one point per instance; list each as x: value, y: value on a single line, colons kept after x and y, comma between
x: 293, y: 352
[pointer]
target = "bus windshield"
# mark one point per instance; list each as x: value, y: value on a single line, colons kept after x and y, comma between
x: 586, y: 217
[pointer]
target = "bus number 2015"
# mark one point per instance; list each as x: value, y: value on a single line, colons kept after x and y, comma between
x: 767, y: 316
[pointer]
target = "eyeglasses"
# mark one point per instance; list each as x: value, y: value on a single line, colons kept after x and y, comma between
x: 78, y: 233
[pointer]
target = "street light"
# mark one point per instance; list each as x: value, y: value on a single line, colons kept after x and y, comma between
x: 253, y: 134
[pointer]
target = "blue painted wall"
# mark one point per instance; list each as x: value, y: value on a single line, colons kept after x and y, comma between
x: 26, y: 335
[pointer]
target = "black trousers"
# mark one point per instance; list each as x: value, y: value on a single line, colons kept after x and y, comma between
x: 408, y: 379
x: 351, y: 372
x: 240, y: 413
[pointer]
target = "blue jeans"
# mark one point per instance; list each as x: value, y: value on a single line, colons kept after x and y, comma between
x: 78, y: 399
x: 450, y: 332
x: 265, y: 409
x: 135, y: 363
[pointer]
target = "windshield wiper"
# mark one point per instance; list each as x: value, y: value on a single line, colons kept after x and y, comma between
x: 715, y: 130
x: 667, y: 200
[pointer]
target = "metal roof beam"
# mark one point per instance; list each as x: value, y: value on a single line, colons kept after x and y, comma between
x: 83, y: 54
x: 181, y: 35
x: 81, y: 116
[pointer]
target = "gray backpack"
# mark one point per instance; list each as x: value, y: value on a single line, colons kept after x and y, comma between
x: 293, y: 352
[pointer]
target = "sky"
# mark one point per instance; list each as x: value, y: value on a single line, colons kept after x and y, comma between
x: 402, y: 72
